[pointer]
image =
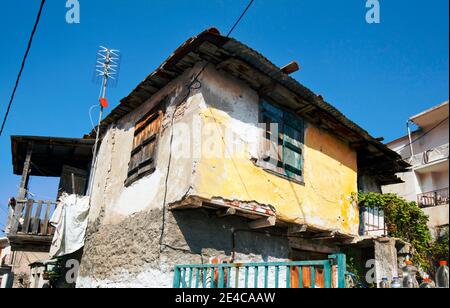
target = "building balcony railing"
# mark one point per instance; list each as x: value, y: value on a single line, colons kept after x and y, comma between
x: 29, y: 224
x: 433, y: 155
x: 434, y: 198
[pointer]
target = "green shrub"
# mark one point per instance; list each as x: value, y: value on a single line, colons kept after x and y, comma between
x: 404, y: 220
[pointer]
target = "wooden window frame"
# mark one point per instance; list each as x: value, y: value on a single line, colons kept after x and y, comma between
x: 145, y: 165
x: 291, y: 173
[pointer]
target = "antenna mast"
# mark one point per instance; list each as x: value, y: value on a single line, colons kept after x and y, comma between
x: 107, y: 69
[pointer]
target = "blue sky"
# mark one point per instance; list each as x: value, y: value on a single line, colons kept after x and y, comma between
x: 378, y: 75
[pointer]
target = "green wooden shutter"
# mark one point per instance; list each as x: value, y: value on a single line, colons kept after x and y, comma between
x: 293, y: 146
x: 291, y: 140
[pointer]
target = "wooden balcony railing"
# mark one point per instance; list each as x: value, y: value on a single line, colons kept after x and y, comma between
x: 30, y: 217
x: 434, y: 198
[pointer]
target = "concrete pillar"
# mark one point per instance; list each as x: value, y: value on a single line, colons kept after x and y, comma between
x: 385, y: 259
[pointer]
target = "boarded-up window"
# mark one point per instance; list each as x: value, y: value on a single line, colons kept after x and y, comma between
x: 142, y: 160
x: 283, y: 154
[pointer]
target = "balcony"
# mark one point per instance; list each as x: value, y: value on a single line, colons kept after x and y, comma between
x: 434, y: 198
x: 431, y: 159
x: 28, y: 225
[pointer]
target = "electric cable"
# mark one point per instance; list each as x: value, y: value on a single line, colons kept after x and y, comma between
x: 11, y: 100
x: 190, y: 88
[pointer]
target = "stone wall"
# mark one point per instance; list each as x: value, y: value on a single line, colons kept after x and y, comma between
x: 129, y: 254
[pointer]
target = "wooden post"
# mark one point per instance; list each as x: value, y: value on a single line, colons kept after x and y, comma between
x: 27, y: 218
x: 25, y: 173
x: 37, y: 218
x: 44, y: 226
x: 11, y: 211
x: 17, y: 215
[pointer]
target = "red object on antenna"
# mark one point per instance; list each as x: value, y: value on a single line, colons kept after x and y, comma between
x: 104, y: 102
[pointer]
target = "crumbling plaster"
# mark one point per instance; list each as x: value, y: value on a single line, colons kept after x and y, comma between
x: 114, y: 201
x: 128, y: 254
x: 330, y: 168
x: 123, y: 236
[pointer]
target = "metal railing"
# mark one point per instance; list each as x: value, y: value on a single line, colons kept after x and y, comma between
x: 372, y: 221
x: 302, y: 274
x: 430, y: 156
x: 434, y: 198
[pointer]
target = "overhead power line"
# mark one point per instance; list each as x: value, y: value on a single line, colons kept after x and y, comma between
x: 240, y: 18
x: 424, y: 134
x: 23, y: 65
x: 189, y: 90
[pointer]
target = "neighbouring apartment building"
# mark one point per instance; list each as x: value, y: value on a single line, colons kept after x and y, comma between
x: 426, y: 149
x: 218, y: 156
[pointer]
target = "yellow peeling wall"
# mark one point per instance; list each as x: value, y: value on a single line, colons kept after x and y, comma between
x: 324, y: 201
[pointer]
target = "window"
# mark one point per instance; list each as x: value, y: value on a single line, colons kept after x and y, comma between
x: 283, y: 155
x: 142, y: 160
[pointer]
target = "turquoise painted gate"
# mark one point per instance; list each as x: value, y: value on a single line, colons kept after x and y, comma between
x: 262, y: 275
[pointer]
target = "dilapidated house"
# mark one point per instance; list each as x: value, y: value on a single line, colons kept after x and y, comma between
x: 190, y: 171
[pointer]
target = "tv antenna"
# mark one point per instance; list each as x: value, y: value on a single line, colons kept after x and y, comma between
x: 107, y: 70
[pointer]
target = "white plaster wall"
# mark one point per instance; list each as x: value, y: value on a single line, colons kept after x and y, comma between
x: 236, y: 100
x: 407, y: 190
x: 423, y: 182
x: 441, y: 180
x: 438, y: 137
x: 111, y: 200
x: 438, y: 216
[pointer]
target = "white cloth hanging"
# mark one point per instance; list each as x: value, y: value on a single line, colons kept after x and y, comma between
x: 70, y: 220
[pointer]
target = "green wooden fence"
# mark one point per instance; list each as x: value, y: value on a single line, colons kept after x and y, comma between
x: 259, y: 275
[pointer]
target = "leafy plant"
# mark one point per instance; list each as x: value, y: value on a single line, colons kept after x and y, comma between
x: 440, y: 249
x: 54, y: 274
x: 404, y: 220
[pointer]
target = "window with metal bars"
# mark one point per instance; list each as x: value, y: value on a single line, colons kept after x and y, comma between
x: 142, y: 162
x: 283, y: 154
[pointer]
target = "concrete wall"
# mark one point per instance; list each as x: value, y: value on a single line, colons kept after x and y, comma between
x: 125, y: 224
